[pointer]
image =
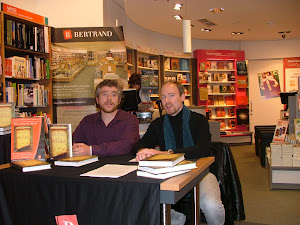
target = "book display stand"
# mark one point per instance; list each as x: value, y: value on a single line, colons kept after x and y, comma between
x: 223, y: 90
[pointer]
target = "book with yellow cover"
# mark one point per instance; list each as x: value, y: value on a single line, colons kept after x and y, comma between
x: 7, y: 111
x: 162, y: 160
x: 27, y: 138
x: 30, y: 165
x: 77, y: 160
x: 183, y: 165
x: 60, y: 140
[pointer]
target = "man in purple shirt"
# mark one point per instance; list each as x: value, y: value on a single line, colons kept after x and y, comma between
x: 111, y: 131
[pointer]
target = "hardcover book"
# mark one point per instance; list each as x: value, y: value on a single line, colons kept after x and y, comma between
x: 183, y: 165
x: 27, y: 138
x: 297, y: 128
x: 167, y: 64
x: 184, y: 64
x: 60, y: 140
x: 175, y: 64
x: 231, y: 89
x: 77, y: 160
x: 30, y: 165
x: 202, y: 66
x: 241, y: 68
x: 203, y: 93
x: 280, y: 130
x: 220, y: 112
x: 7, y: 111
x: 223, y: 89
x: 242, y: 81
x: 223, y: 77
x: 160, y: 176
x: 162, y: 160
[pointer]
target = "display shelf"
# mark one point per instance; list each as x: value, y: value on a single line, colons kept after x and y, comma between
x: 222, y: 94
x: 217, y: 86
x: 148, y: 65
x: 26, y: 60
x: 179, y: 69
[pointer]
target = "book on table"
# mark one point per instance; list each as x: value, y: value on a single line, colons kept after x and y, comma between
x: 162, y: 160
x: 183, y: 165
x: 161, y: 175
x: 27, y: 138
x: 30, y: 165
x: 76, y: 160
x: 60, y: 140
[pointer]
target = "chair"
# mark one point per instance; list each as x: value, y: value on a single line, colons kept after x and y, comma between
x: 224, y: 169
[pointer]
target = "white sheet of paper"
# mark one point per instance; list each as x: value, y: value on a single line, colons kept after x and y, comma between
x: 110, y: 170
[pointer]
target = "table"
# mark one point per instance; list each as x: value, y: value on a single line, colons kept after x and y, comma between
x: 37, y: 197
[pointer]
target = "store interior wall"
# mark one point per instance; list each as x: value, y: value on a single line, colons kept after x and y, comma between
x: 90, y: 13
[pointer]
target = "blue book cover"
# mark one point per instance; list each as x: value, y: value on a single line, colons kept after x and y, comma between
x: 184, y: 64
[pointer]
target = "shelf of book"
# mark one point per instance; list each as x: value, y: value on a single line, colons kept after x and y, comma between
x: 218, y: 89
x: 26, y: 58
x: 148, y: 65
x: 178, y: 68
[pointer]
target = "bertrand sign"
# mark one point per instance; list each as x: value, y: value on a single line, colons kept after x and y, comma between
x: 87, y: 34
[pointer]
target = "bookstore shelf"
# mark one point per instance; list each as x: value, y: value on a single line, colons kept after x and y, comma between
x: 218, y: 89
x: 179, y: 69
x: 26, y: 58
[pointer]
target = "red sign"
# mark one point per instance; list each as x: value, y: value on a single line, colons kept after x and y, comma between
x: 67, y: 34
x: 24, y: 14
x: 66, y: 220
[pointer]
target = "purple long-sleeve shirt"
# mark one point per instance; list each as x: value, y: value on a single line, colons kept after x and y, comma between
x: 115, y: 139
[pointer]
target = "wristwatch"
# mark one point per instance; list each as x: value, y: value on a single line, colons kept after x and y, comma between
x: 170, y: 151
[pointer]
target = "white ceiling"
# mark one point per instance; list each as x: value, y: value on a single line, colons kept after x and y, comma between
x: 257, y: 19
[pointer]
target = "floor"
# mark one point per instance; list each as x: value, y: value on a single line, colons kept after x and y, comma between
x: 262, y: 205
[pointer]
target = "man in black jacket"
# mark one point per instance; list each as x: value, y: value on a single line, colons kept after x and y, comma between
x: 183, y: 131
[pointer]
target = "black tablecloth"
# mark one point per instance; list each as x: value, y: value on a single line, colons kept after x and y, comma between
x: 5, y: 148
x: 35, y: 198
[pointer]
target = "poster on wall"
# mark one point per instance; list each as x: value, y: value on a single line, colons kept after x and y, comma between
x: 291, y: 68
x: 82, y: 58
x: 269, y: 85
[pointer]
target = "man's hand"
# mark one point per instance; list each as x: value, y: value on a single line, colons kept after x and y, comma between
x: 81, y: 149
x: 146, y: 152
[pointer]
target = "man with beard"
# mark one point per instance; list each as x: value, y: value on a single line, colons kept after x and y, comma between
x: 183, y: 131
x: 111, y: 131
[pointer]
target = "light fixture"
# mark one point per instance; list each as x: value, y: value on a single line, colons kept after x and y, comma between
x: 237, y: 33
x: 177, y: 6
x: 178, y: 17
x: 204, y: 29
x: 216, y: 10
x: 187, y: 36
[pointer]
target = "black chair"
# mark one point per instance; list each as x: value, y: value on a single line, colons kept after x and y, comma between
x: 224, y: 169
x: 257, y: 135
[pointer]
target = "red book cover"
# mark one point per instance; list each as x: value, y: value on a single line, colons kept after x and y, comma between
x: 242, y: 81
x: 8, y: 67
x: 220, y: 112
x: 241, y: 100
x: 27, y: 138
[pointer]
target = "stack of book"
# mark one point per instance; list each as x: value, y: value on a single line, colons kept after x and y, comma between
x: 163, y: 166
x: 296, y: 155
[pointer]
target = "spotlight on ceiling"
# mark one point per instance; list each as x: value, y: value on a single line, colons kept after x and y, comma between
x: 178, y: 17
x: 207, y: 30
x: 237, y: 33
x: 216, y: 10
x: 177, y: 6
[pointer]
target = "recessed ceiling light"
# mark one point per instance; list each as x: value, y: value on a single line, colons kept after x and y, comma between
x: 284, y: 32
x: 203, y: 29
x: 178, y: 17
x: 177, y: 6
x: 237, y: 33
x: 216, y: 10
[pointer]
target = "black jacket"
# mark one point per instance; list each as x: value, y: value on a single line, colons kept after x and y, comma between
x: 199, y: 130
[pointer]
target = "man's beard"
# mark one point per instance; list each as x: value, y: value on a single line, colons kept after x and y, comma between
x: 114, y: 108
